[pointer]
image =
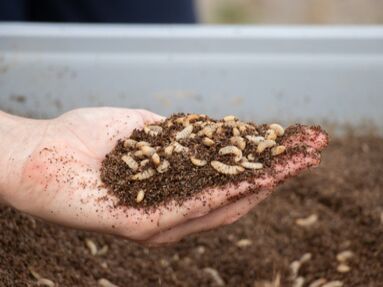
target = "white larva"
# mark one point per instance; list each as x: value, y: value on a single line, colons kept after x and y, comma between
x: 243, y: 242
x: 335, y: 283
x: 231, y: 150
x: 207, y: 141
x: 169, y: 150
x: 298, y: 282
x: 105, y: 283
x: 278, y: 150
x: 207, y: 131
x: 130, y: 143
x: 231, y: 124
x: 143, y: 175
x: 103, y: 250
x: 34, y: 274
x: 271, y: 135
x: 250, y: 157
x: 156, y: 159
x: 91, y: 246
x: 141, y: 144
x: 144, y: 162
x: 238, y: 141
x: 163, y: 167
x: 198, y: 123
x: 45, y: 282
x: 294, y: 268
x: 343, y: 268
x: 318, y: 283
x: 192, y: 117
x: 215, y: 276
x: 305, y: 257
x: 178, y: 148
x: 139, y: 154
x: 185, y: 133
x: 308, y: 221
x: 130, y: 162
x: 242, y: 127
x: 148, y: 151
x: 226, y: 169
x: 344, y: 255
x: 153, y: 130
x: 264, y: 145
x: 198, y: 162
x: 252, y: 165
x: 278, y: 129
x: 255, y: 139
x: 169, y: 124
x: 180, y: 120
x: 236, y: 132
x: 220, y: 131
x: 229, y: 118
x: 140, y: 196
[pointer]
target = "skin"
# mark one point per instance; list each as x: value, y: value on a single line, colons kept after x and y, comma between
x: 50, y: 169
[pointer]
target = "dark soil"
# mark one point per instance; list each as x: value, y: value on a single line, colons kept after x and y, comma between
x: 183, y: 179
x: 345, y: 192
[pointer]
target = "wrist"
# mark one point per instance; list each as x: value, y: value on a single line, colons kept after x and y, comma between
x: 19, y: 136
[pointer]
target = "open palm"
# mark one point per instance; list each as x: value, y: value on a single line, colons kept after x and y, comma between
x: 60, y: 181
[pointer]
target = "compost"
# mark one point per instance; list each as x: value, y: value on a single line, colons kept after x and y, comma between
x: 186, y: 153
x: 330, y: 212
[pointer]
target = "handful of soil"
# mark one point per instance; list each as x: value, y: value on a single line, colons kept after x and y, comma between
x: 186, y: 153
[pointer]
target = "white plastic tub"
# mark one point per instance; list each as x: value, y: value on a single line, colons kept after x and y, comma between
x: 260, y: 73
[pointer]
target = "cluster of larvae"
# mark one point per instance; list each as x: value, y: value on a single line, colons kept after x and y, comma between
x: 194, y: 125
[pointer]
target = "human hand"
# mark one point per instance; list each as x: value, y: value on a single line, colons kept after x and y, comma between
x: 54, y: 173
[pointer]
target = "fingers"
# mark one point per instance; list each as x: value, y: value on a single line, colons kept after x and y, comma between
x: 212, y: 199
x: 150, y: 117
x: 286, y: 166
x: 296, y: 160
x: 146, y: 224
x: 311, y: 136
x: 221, y: 216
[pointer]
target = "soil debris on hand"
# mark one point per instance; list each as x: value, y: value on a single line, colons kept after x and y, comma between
x: 188, y: 153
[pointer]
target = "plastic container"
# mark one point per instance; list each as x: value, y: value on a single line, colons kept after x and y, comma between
x: 332, y: 74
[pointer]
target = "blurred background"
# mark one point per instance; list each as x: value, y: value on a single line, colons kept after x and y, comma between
x: 188, y: 11
x: 296, y: 60
x: 291, y: 12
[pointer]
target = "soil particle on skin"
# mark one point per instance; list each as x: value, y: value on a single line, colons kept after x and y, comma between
x: 184, y: 178
x: 345, y: 194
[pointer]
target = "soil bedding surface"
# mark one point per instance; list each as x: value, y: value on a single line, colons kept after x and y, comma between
x: 339, y: 207
x: 186, y: 146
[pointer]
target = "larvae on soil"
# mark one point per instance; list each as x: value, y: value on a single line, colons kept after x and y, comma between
x: 130, y: 162
x: 198, y: 162
x: 140, y: 196
x: 231, y: 150
x: 143, y: 175
x: 238, y: 141
x: 278, y: 129
x: 153, y: 130
x: 252, y: 165
x: 185, y: 133
x: 226, y: 169
x: 264, y: 145
x: 163, y: 167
